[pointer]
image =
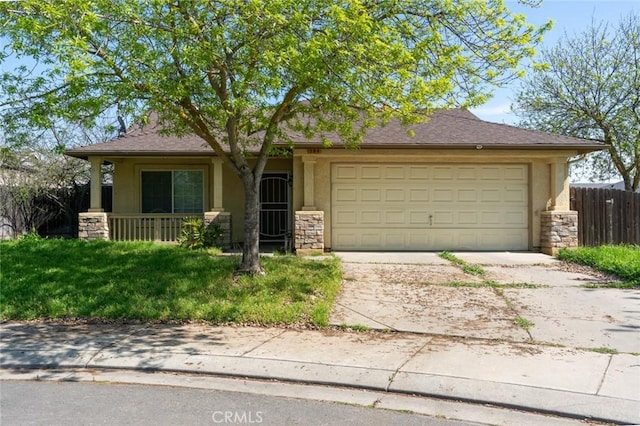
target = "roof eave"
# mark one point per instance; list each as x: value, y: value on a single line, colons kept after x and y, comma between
x: 556, y: 147
x: 582, y: 149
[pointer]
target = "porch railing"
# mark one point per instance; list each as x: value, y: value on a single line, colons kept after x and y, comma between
x: 145, y: 227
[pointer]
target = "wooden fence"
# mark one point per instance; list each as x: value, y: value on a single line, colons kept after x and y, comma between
x: 606, y: 216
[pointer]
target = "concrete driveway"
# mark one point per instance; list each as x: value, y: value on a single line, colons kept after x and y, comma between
x: 532, y: 297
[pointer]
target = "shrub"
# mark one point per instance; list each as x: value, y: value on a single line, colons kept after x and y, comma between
x: 195, y: 235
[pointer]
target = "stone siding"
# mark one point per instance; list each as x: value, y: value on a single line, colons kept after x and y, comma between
x: 309, y: 236
x: 558, y: 230
x: 93, y: 226
x: 223, y: 219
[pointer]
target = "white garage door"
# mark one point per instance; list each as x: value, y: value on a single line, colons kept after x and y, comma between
x: 429, y: 207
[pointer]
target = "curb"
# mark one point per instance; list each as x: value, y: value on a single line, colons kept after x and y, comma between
x: 546, y: 401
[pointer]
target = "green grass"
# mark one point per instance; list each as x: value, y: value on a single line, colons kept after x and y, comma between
x: 466, y: 267
x: 622, y: 261
x: 61, y: 279
x: 601, y: 350
x: 523, y: 323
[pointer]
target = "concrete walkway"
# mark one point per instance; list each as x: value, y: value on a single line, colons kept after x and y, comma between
x: 568, y: 382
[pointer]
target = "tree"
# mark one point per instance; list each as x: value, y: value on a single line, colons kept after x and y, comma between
x: 38, y: 183
x: 37, y: 186
x: 238, y: 73
x: 590, y: 88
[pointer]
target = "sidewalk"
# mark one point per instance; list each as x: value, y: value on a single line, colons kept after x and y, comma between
x: 563, y: 381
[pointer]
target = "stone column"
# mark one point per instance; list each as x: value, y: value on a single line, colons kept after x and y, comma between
x: 558, y: 230
x: 309, y: 232
x: 223, y: 219
x: 93, y: 226
x: 309, y: 183
x: 96, y: 185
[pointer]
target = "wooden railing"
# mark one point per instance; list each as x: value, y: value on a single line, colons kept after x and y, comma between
x: 146, y: 227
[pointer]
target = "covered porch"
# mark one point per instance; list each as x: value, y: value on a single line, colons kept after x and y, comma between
x: 152, y: 218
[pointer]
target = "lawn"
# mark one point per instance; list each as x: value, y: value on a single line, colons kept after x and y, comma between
x: 622, y: 261
x: 61, y: 279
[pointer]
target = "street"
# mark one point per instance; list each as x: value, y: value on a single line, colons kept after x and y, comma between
x: 63, y: 403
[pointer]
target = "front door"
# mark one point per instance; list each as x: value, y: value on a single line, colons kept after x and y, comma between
x: 275, y: 220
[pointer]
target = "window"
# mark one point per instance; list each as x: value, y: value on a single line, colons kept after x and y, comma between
x: 177, y: 191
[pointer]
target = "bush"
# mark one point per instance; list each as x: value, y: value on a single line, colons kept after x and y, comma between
x: 195, y: 235
x: 31, y: 236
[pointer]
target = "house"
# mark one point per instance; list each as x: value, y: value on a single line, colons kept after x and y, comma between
x: 454, y: 182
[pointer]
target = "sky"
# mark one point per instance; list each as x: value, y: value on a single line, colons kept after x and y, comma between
x: 570, y: 17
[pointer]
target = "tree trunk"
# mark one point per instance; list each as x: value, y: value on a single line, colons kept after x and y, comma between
x: 251, y: 248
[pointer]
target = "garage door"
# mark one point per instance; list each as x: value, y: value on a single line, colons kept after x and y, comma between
x: 429, y: 207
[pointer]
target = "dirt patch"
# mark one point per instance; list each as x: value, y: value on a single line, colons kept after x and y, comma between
x: 407, y: 274
x: 600, y: 277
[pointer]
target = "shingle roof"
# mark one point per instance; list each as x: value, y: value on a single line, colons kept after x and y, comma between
x: 455, y: 128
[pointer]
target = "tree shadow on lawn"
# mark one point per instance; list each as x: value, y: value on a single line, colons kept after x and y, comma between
x: 155, y: 282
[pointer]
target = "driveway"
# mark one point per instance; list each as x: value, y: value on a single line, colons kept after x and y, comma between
x: 532, y: 297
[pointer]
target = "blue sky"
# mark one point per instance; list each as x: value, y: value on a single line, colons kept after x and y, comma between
x: 570, y: 16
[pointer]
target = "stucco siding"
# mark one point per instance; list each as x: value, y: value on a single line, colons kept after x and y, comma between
x: 126, y: 178
x: 537, y: 161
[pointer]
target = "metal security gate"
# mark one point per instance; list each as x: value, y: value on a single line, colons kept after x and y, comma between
x: 275, y: 219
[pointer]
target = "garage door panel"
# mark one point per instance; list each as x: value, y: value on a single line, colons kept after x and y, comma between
x: 490, y: 218
x: 490, y: 196
x: 489, y: 173
x: 466, y: 195
x: 443, y: 218
x: 342, y: 172
x: 346, y: 194
x: 370, y: 172
x: 418, y: 218
x: 395, y: 217
x: 429, y: 207
x: 442, y: 173
x: 394, y: 172
x: 467, y: 218
x: 419, y: 173
x: 467, y: 173
x: 370, y: 217
x: 515, y: 195
x: 418, y: 195
x: 439, y: 239
x: 367, y: 194
x: 518, y: 219
x: 440, y: 195
x: 394, y: 194
x: 370, y: 240
x: 345, y: 217
x: 394, y: 240
x: 515, y: 173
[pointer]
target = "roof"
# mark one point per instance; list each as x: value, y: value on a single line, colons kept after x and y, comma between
x: 454, y: 128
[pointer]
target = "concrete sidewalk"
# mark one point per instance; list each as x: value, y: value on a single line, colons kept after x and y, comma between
x: 563, y: 381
